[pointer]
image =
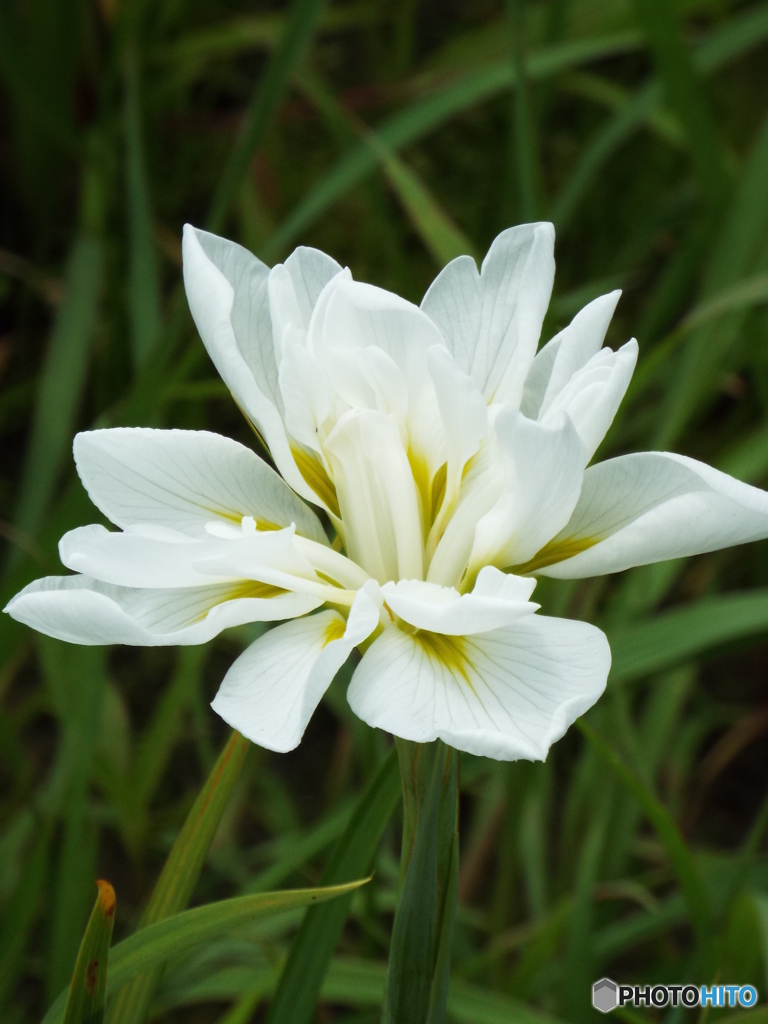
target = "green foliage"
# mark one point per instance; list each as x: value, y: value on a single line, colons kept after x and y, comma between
x: 88, y: 989
x: 394, y: 136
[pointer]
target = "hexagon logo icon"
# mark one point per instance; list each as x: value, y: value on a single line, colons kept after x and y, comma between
x: 605, y: 995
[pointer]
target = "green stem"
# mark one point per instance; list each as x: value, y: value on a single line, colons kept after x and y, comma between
x: 419, y: 959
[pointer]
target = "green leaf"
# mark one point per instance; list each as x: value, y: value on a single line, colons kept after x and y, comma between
x: 739, y: 252
x: 685, y: 867
x: 181, y: 871
x: 149, y: 948
x: 683, y: 633
x: 419, y: 954
x: 61, y: 382
x: 144, y: 281
x: 268, y: 96
x: 424, y: 115
x: 310, y: 954
x: 440, y: 235
x: 20, y: 914
x: 685, y: 94
x: 728, y: 41
x: 76, y: 680
x: 88, y: 989
x: 359, y: 983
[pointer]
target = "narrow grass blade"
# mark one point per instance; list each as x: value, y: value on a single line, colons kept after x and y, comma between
x: 424, y: 115
x: 680, y: 856
x: 739, y: 252
x: 672, y: 637
x: 302, y: 977
x: 76, y: 679
x: 62, y: 379
x: 181, y: 872
x: 523, y: 157
x: 443, y: 239
x: 150, y: 947
x: 88, y: 989
x: 268, y: 96
x: 685, y: 94
x: 727, y: 42
x: 417, y: 974
x: 20, y: 914
x: 144, y: 283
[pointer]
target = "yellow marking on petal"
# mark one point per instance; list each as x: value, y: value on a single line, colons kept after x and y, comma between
x: 333, y: 631
x: 450, y: 651
x: 316, y: 477
x: 555, y: 551
x: 264, y: 524
x: 244, y: 588
x: 438, y: 489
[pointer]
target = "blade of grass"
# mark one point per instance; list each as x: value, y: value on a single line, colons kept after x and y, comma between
x: 685, y: 94
x: 737, y: 36
x: 144, y: 283
x: 78, y: 674
x: 311, y: 951
x: 424, y: 115
x: 262, y: 108
x: 20, y: 914
x: 681, y: 858
x: 62, y: 379
x: 739, y: 252
x: 440, y: 235
x: 182, y: 869
x: 152, y: 946
x: 665, y: 640
x: 88, y: 988
x: 523, y: 158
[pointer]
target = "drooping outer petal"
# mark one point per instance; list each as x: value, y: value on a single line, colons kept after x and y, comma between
x: 649, y: 507
x: 492, y: 320
x: 158, y: 557
x: 496, y: 600
x: 184, y: 479
x: 506, y: 694
x: 271, y: 691
x: 80, y: 610
x: 227, y: 292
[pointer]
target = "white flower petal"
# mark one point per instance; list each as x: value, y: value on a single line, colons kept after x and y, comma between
x: 649, y: 507
x: 492, y: 320
x: 143, y: 557
x: 295, y: 287
x: 227, y: 293
x: 594, y: 393
x: 377, y: 496
x: 133, y: 559
x: 507, y: 694
x: 497, y: 600
x: 271, y: 691
x: 544, y: 470
x: 184, y: 479
x: 360, y: 316
x: 80, y: 610
x: 566, y: 353
x: 464, y: 416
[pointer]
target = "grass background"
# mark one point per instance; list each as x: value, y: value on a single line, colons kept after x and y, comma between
x: 394, y: 135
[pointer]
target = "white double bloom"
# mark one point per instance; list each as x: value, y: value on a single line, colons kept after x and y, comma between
x: 451, y: 463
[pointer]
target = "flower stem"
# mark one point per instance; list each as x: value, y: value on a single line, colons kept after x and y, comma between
x: 419, y: 958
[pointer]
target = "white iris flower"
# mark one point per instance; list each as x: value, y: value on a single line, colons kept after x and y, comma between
x: 451, y: 461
